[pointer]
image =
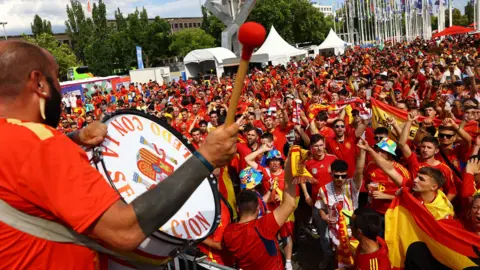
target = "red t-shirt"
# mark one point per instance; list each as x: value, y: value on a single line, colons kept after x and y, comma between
x: 254, y: 244
x: 219, y: 256
x: 345, y: 151
x: 373, y: 174
x: 414, y: 165
x: 320, y: 170
x: 44, y: 174
x: 279, y: 138
x: 377, y: 260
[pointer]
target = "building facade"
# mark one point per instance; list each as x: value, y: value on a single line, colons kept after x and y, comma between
x: 326, y: 10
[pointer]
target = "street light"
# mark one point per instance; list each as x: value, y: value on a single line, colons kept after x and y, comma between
x: 4, y: 32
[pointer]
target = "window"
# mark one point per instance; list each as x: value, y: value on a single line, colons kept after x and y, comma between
x: 176, y: 25
x: 181, y: 25
x: 190, y: 25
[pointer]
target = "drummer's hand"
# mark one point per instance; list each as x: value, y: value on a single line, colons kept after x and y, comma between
x: 92, y: 135
x: 220, y: 146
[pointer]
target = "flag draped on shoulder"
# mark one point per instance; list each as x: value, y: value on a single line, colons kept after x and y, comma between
x: 409, y: 223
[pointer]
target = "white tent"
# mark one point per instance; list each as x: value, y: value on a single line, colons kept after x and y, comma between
x: 277, y: 49
x: 333, y: 42
x: 204, y: 60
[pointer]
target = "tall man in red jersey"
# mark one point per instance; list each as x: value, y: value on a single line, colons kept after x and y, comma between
x: 429, y: 147
x: 253, y: 242
x: 44, y: 174
x: 344, y: 144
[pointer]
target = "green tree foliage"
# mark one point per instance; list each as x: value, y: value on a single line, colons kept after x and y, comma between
x: 62, y: 52
x: 40, y: 26
x: 296, y: 20
x: 457, y: 18
x: 79, y: 28
x: 99, y: 51
x: 469, y: 12
x: 187, y: 40
x: 212, y: 26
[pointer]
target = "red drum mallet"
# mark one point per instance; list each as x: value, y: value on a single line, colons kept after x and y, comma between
x: 251, y: 35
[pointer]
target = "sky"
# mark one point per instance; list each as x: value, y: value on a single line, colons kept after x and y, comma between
x: 19, y: 13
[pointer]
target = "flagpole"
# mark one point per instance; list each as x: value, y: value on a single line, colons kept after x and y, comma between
x: 478, y: 15
x: 450, y: 13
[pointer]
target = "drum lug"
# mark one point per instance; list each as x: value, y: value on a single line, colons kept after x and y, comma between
x: 186, y: 247
x: 97, y: 155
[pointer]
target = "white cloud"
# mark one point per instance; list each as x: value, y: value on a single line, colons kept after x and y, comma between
x: 19, y: 13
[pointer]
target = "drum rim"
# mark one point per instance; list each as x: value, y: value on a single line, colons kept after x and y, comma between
x: 212, y: 180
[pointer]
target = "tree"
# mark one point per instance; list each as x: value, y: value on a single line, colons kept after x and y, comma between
x: 79, y: 28
x: 187, y: 40
x: 296, y: 21
x: 469, y: 11
x: 212, y: 26
x: 40, y: 26
x: 99, y: 52
x: 62, y: 52
x: 457, y: 18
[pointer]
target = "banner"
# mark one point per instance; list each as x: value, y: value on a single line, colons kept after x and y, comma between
x: 139, y: 57
x: 381, y: 111
x: 410, y: 226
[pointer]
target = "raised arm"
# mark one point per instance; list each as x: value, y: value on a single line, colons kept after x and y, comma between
x: 250, y: 159
x: 382, y: 163
x: 402, y: 141
x: 287, y: 206
x: 360, y: 166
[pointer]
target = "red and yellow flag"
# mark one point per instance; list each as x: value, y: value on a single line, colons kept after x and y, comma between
x: 408, y: 223
x: 225, y: 188
x: 380, y: 112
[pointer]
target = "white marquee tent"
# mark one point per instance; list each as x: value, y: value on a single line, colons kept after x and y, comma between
x: 204, y: 60
x: 333, y: 42
x: 277, y: 49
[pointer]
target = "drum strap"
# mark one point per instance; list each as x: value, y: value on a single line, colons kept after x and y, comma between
x: 55, y: 232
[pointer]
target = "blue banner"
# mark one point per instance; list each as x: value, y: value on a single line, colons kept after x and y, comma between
x: 139, y: 57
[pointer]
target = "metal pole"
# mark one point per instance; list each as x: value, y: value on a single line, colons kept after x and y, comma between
x: 4, y: 31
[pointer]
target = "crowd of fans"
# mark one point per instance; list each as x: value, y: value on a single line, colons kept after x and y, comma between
x: 323, y: 105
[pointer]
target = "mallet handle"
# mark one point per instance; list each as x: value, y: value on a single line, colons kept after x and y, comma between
x: 237, y: 91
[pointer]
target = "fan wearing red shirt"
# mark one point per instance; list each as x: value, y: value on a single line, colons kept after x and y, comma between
x: 279, y: 132
x: 344, y: 144
x: 253, y: 242
x: 372, y: 251
x: 429, y: 146
x: 318, y: 166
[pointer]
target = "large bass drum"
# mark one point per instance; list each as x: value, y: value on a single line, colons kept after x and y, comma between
x: 139, y: 152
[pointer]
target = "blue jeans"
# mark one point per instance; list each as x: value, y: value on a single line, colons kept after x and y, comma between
x: 322, y: 230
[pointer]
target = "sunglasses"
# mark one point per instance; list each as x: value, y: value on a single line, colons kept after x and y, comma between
x: 448, y: 136
x: 378, y: 138
x: 339, y: 126
x: 340, y: 176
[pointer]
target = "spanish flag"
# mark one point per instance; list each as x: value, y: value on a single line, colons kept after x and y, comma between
x: 225, y: 188
x: 380, y: 112
x: 409, y: 225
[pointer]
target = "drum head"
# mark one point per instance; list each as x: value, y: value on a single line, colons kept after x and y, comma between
x: 139, y: 152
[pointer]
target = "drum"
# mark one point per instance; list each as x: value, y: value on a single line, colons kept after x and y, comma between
x: 139, y: 152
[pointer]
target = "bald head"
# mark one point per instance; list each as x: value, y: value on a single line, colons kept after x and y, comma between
x: 17, y: 60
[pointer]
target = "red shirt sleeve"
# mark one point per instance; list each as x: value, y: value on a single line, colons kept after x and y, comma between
x: 268, y: 227
x: 59, y: 178
x: 468, y: 185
